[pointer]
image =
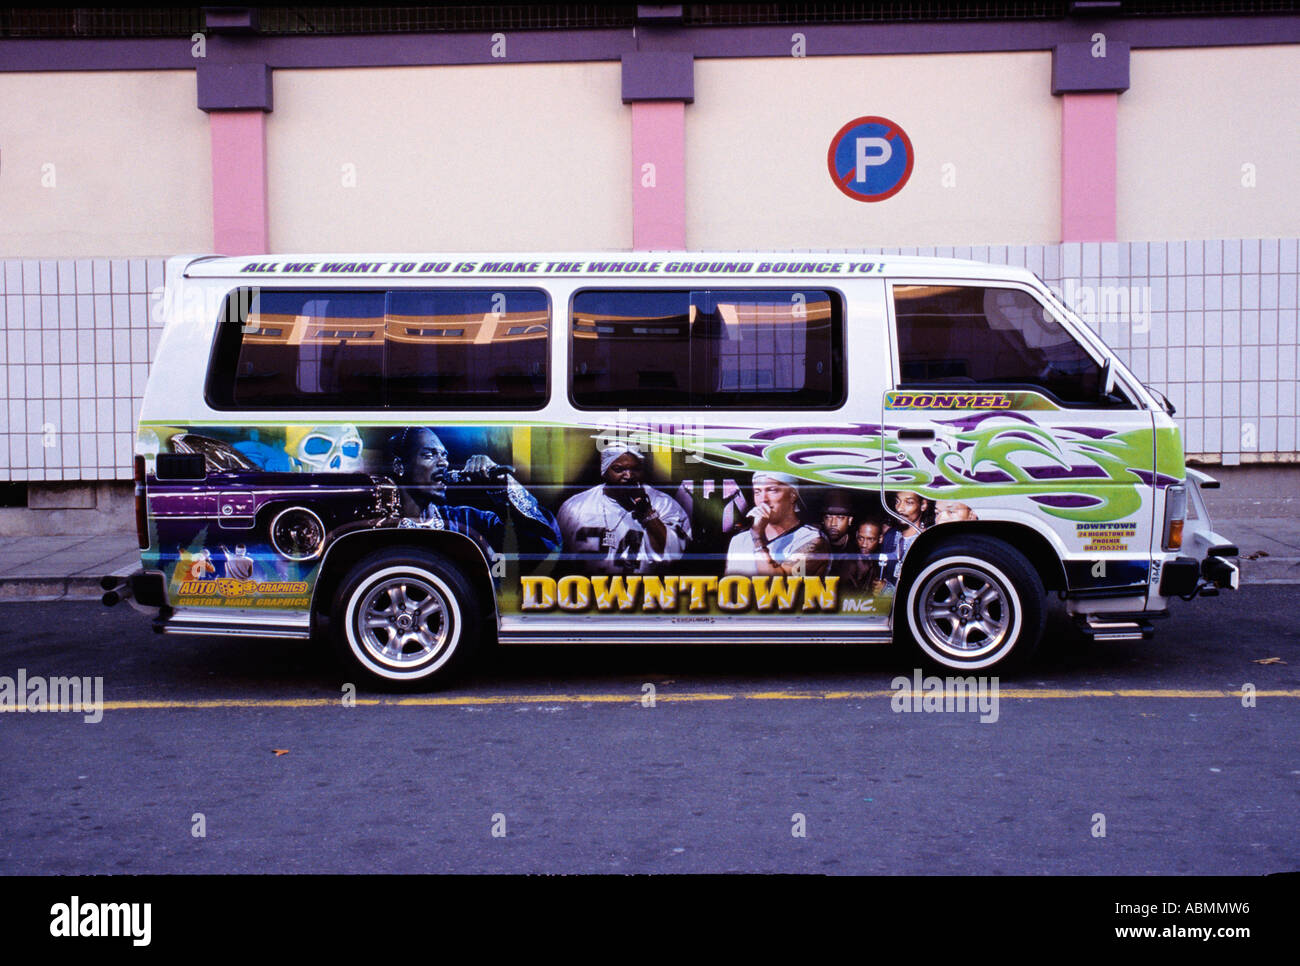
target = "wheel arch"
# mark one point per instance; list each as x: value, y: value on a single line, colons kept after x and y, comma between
x: 344, y: 553
x: 997, y: 559
x: 1036, y: 548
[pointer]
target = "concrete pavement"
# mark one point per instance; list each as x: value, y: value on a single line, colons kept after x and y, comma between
x: 1270, y: 548
x: 51, y: 568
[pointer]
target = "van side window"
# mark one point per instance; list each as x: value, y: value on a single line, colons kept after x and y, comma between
x: 401, y: 349
x: 738, y: 349
x: 961, y: 335
x: 467, y: 348
x: 306, y: 348
x: 632, y: 348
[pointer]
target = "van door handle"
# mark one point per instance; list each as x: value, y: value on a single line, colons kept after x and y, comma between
x: 917, y: 434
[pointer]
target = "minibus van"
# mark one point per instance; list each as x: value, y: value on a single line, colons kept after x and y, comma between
x: 412, y: 456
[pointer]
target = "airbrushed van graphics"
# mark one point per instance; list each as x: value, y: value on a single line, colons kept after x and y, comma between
x: 402, y: 462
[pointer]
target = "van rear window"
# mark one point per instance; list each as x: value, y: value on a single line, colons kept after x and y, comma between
x: 399, y: 349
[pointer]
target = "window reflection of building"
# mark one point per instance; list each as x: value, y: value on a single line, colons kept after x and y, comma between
x: 472, y: 329
x: 325, y: 345
x: 632, y: 348
x: 473, y: 355
x: 401, y: 349
x: 272, y: 329
x: 680, y: 347
x: 763, y: 345
x: 642, y: 328
x: 963, y: 335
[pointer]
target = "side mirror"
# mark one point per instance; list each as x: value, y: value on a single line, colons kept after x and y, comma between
x: 1106, y: 384
x: 1108, y: 379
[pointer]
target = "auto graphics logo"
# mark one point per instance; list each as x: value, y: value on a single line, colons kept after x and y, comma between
x: 232, y: 587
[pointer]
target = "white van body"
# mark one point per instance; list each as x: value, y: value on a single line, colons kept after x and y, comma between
x: 305, y: 415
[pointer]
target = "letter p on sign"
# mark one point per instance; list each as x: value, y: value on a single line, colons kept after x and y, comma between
x: 871, y: 152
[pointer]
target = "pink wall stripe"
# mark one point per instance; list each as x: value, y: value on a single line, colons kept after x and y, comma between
x: 239, y: 220
x: 658, y: 193
x: 1088, y: 192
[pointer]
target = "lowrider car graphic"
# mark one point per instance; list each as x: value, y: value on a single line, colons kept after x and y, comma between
x: 298, y: 514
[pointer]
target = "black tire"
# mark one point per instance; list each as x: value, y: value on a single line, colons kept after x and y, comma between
x: 406, y: 619
x: 973, y: 603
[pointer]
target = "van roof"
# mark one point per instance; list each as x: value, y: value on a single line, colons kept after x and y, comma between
x: 622, y: 264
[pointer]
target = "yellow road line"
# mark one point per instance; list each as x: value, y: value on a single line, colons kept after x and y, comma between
x: 428, y: 701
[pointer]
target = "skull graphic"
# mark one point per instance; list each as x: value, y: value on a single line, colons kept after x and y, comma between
x: 326, y: 449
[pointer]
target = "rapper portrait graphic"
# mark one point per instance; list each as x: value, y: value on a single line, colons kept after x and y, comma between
x: 918, y: 514
x: 863, y: 570
x: 239, y: 564
x: 837, y: 522
x: 622, y: 525
x: 952, y: 511
x: 419, y: 463
x: 778, y: 541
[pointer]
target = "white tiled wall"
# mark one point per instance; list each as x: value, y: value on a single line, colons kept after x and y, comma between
x: 1215, y: 330
x: 78, y: 339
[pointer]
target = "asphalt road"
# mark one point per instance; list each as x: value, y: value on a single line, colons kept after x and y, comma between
x: 556, y: 753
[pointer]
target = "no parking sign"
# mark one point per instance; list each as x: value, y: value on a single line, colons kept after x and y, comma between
x: 870, y: 159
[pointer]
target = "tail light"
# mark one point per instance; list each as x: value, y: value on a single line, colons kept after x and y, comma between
x: 141, y: 506
x: 1175, y: 514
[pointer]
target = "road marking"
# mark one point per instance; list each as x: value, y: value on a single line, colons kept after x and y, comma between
x: 1012, y: 694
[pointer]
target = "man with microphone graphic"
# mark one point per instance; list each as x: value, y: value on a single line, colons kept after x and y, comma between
x: 777, y: 542
x: 622, y: 525
x: 419, y: 462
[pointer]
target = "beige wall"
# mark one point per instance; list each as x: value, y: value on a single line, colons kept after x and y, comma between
x: 132, y: 170
x: 758, y: 133
x: 490, y: 157
x: 538, y: 156
x: 1191, y: 119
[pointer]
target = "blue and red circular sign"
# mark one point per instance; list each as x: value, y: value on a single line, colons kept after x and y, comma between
x: 870, y: 159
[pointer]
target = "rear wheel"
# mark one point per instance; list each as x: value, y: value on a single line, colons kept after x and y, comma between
x: 406, y: 618
x: 975, y: 603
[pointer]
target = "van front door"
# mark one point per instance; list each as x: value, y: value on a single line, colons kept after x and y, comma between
x: 999, y: 414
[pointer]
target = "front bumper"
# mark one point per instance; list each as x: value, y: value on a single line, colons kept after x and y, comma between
x: 1205, y: 564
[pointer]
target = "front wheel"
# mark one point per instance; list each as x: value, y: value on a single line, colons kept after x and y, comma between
x: 975, y: 603
x: 406, y: 618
